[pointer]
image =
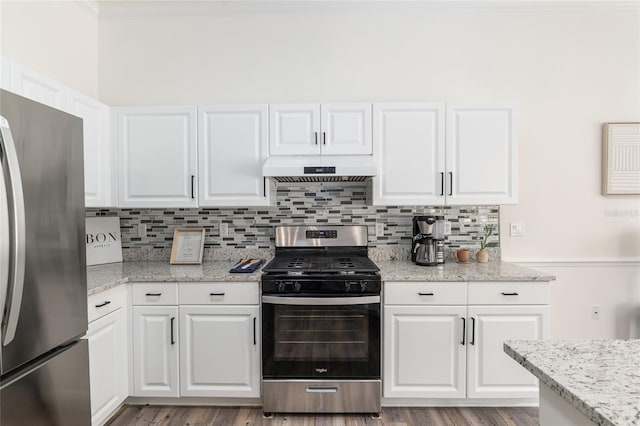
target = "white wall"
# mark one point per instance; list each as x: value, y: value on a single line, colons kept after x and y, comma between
x: 569, y: 68
x: 58, y: 39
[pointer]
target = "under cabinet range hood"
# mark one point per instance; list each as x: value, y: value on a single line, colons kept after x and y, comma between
x: 327, y: 168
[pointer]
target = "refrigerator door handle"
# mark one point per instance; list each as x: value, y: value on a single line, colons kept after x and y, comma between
x: 5, y: 247
x: 18, y: 238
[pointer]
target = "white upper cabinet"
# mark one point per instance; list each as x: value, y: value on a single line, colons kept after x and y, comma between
x: 37, y: 87
x: 426, y: 157
x: 232, y: 146
x: 313, y: 129
x: 294, y: 129
x: 410, y: 153
x: 345, y: 129
x: 157, y: 159
x: 5, y: 74
x: 99, y: 152
x: 481, y: 154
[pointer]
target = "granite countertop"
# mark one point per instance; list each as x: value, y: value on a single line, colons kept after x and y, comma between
x: 103, y: 277
x: 600, y: 378
x: 453, y: 271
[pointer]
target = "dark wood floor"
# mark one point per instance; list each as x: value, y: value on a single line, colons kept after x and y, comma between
x: 144, y: 415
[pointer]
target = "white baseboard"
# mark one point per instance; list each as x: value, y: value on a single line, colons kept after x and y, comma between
x: 213, y: 401
x: 460, y: 402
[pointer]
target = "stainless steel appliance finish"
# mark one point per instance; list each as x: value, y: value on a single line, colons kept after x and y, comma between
x: 321, y: 322
x: 43, y: 280
x: 54, y: 393
x: 321, y: 236
x: 321, y: 396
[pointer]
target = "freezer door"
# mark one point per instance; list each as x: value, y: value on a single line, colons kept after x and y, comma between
x: 55, y: 393
x: 53, y: 306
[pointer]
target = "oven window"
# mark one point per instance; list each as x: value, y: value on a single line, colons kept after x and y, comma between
x: 321, y: 341
x: 333, y: 333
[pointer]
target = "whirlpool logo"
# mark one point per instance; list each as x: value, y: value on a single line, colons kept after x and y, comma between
x: 321, y: 370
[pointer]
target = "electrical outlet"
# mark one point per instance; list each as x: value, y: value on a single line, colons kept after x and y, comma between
x: 517, y: 229
x: 595, y: 312
x: 447, y: 228
x: 142, y: 230
x: 224, y: 229
x: 379, y: 229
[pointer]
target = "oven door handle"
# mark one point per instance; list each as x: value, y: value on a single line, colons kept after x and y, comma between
x: 321, y: 301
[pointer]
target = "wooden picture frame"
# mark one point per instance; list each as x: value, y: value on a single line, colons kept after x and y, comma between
x: 621, y: 158
x: 188, y: 246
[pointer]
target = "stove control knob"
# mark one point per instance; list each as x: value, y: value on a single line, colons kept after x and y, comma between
x: 281, y: 286
x: 363, y: 286
x: 296, y: 286
x: 347, y: 286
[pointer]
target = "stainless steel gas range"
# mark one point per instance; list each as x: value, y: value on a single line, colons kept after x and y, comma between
x: 321, y: 322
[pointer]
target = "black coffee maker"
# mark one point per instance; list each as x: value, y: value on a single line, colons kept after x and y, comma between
x: 427, y: 245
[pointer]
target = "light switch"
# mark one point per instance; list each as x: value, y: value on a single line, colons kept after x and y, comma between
x: 517, y: 229
x: 379, y: 229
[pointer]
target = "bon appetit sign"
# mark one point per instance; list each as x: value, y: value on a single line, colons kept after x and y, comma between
x: 104, y: 243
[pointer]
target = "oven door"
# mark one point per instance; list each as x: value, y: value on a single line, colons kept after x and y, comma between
x: 321, y: 337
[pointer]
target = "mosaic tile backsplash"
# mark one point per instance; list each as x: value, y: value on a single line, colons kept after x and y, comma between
x: 251, y: 229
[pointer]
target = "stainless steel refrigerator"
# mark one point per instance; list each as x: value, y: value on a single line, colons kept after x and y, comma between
x: 43, y: 287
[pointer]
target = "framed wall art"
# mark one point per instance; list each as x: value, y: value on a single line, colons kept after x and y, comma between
x: 188, y: 246
x: 620, y: 158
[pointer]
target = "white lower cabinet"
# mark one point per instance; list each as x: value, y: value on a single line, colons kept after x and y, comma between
x: 491, y: 373
x: 456, y: 350
x: 107, y: 337
x: 196, y: 339
x: 219, y: 351
x: 424, y: 355
x: 155, y: 351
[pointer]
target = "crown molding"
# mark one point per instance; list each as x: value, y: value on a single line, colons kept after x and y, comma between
x: 117, y: 9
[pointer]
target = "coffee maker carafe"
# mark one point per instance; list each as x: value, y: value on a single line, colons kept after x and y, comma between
x: 427, y: 247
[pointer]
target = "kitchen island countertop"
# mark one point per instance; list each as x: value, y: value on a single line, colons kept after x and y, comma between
x: 103, y: 277
x: 599, y: 378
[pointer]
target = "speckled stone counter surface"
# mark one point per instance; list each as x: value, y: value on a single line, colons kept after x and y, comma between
x: 453, y: 271
x: 103, y: 277
x: 600, y: 378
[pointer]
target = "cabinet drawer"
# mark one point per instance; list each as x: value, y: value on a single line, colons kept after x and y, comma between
x: 425, y: 293
x: 509, y: 293
x: 103, y: 303
x: 236, y: 293
x: 155, y: 293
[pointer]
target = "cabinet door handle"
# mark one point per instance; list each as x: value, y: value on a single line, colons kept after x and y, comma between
x: 264, y: 186
x: 254, y: 331
x: 464, y: 330
x: 103, y: 304
x: 425, y: 294
x: 216, y: 294
x: 509, y: 294
x: 442, y: 183
x: 450, y: 183
x: 473, y: 331
x: 173, y: 341
x: 153, y: 294
x: 193, y: 179
x: 315, y: 134
x: 324, y: 138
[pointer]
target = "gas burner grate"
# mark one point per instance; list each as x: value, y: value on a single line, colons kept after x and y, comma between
x: 297, y: 263
x: 345, y: 263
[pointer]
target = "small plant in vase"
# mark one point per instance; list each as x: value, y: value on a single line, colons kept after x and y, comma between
x: 482, y: 256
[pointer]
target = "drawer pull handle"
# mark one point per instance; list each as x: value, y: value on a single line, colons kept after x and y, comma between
x: 216, y: 294
x: 153, y: 294
x: 509, y: 294
x: 321, y: 389
x: 425, y: 294
x: 103, y: 304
